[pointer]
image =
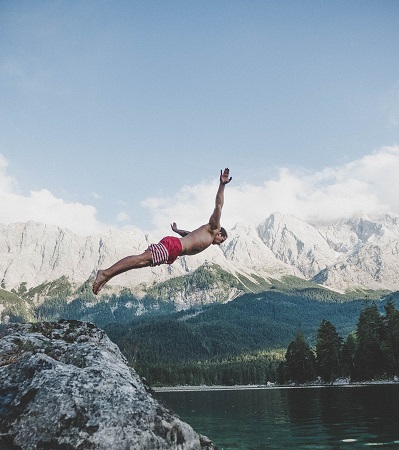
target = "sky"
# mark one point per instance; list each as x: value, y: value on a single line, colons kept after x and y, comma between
x: 121, y: 114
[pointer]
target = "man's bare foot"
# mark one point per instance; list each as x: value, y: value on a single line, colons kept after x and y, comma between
x: 99, y: 282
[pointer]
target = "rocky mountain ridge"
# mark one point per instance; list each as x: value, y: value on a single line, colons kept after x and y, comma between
x: 361, y: 252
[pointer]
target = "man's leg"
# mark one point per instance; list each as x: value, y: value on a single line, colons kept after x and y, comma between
x: 125, y: 264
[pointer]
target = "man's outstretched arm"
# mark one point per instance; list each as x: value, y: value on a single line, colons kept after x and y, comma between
x: 214, y: 221
x: 176, y: 230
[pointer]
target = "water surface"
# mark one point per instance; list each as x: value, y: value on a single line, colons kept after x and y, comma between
x: 294, y: 418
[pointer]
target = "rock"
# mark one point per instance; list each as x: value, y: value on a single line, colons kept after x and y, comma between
x: 66, y: 386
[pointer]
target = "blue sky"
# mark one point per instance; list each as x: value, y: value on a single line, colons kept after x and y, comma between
x: 122, y: 113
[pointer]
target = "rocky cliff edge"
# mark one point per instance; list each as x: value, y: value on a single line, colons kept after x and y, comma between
x: 65, y: 385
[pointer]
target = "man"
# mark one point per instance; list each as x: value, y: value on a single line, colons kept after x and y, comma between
x: 170, y: 247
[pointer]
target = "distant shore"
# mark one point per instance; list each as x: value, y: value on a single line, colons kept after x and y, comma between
x: 270, y: 386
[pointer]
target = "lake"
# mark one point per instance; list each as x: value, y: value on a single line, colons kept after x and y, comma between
x: 347, y: 417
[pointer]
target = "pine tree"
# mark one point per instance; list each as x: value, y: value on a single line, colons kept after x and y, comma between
x: 328, y: 348
x: 282, y: 373
x: 369, y: 358
x: 348, y: 356
x: 300, y: 361
x: 391, y: 339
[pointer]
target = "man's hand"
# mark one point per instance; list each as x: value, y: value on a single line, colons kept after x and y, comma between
x: 224, y: 176
x: 176, y: 230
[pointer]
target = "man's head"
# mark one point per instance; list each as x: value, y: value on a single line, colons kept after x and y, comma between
x: 220, y: 237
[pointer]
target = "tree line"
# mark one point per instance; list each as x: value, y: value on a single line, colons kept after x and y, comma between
x: 255, y: 368
x: 210, y: 345
x: 369, y: 353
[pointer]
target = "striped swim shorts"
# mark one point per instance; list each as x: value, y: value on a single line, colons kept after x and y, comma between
x: 166, y: 251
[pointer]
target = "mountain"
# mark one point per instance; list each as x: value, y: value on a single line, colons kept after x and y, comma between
x: 369, y: 253
x: 39, y: 261
x: 296, y: 243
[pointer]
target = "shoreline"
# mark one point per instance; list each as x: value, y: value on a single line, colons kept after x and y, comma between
x: 264, y: 386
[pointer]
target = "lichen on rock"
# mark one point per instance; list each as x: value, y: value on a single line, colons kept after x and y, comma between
x: 65, y: 385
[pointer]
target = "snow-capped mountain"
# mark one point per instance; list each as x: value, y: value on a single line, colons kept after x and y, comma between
x: 297, y: 243
x: 369, y: 256
x: 359, y: 252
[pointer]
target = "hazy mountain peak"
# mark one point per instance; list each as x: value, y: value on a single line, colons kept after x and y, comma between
x: 359, y: 251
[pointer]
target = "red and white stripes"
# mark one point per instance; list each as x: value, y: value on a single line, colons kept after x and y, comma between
x: 160, y: 254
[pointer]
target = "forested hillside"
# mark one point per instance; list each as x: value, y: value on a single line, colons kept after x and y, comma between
x: 237, y: 342
x: 240, y: 341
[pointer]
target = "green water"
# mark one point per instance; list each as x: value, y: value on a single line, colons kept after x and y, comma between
x: 303, y: 418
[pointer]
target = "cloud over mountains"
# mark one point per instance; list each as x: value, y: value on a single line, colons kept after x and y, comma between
x: 43, y: 206
x: 368, y: 185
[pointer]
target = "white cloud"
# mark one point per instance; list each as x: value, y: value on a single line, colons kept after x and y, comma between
x: 6, y: 182
x: 43, y: 206
x: 368, y: 185
x: 122, y: 217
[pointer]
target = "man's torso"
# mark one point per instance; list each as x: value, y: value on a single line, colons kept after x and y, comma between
x: 198, y: 240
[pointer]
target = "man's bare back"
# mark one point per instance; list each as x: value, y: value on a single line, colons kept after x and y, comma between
x: 169, y: 248
x: 197, y: 240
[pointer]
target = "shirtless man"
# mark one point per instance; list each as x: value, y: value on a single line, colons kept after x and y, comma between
x: 170, y: 247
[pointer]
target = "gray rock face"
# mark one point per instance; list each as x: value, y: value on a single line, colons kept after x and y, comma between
x: 66, y: 386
